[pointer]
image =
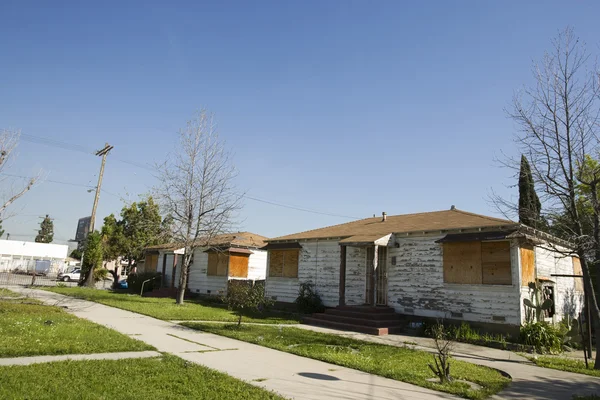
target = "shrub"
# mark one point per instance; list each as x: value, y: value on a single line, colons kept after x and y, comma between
x: 246, y: 296
x: 542, y: 336
x: 308, y: 300
x: 100, y: 274
x: 135, y: 281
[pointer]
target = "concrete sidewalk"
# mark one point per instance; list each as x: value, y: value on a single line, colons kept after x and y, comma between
x: 287, y: 374
x: 78, y: 357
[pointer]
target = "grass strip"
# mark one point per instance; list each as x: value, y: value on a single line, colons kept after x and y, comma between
x: 399, y: 363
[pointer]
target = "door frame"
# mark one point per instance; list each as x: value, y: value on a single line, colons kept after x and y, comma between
x: 376, y: 285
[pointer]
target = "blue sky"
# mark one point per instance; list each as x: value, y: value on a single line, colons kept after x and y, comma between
x: 344, y: 107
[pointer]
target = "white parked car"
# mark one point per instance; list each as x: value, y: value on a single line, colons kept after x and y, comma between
x: 72, y: 276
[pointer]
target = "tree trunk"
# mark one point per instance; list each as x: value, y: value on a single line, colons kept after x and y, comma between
x: 115, y: 275
x: 183, y: 275
x: 89, y: 279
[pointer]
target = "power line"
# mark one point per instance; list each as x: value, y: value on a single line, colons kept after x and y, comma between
x: 61, y: 183
x: 82, y: 149
x: 298, y: 208
x: 75, y: 147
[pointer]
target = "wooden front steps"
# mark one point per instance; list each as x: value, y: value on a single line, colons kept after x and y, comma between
x: 364, y: 319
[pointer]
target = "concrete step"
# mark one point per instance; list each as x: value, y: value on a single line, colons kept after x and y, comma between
x: 368, y: 309
x: 346, y: 327
x: 360, y: 314
x: 377, y: 323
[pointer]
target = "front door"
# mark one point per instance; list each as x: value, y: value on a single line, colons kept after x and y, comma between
x: 376, y: 278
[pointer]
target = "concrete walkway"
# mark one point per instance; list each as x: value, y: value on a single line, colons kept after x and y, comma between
x: 78, y: 357
x: 287, y: 374
x: 529, y: 381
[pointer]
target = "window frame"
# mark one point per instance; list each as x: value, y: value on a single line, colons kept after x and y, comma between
x: 283, y: 266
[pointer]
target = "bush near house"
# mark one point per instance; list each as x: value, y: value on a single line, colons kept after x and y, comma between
x: 544, y: 337
x: 308, y: 300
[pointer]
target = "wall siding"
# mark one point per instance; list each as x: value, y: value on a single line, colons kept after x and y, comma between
x: 320, y: 264
x: 199, y: 282
x: 568, y: 301
x: 416, y: 286
x: 257, y: 265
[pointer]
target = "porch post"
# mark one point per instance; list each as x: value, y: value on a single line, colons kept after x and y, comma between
x: 164, y: 270
x: 375, y: 261
x: 342, y: 301
x: 174, y: 268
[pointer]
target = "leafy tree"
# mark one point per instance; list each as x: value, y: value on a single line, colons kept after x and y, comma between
x: 46, y: 232
x: 140, y: 226
x: 529, y: 203
x: 1, y: 230
x: 92, y: 259
x: 112, y: 244
x: 76, y: 254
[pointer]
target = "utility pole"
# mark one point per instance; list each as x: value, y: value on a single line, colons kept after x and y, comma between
x: 89, y: 279
x: 103, y: 153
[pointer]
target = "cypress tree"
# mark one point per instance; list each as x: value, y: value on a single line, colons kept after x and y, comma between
x: 46, y: 232
x: 529, y: 203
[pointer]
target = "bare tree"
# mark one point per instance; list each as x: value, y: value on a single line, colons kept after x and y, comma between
x: 197, y: 190
x: 558, y: 118
x: 8, y: 143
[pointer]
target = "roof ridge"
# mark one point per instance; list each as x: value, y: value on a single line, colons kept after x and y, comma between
x: 483, y: 216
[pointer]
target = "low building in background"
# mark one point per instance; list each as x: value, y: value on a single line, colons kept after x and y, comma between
x: 28, y: 257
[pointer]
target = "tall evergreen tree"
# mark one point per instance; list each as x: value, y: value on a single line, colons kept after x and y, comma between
x: 46, y: 232
x: 529, y: 203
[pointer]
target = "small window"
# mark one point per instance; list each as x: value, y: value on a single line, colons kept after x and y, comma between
x: 284, y: 263
x: 217, y: 264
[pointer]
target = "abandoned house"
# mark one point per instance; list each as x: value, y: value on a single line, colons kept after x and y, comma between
x: 226, y: 257
x: 451, y: 265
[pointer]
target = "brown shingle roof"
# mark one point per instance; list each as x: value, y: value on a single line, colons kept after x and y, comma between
x: 239, y: 239
x: 428, y: 221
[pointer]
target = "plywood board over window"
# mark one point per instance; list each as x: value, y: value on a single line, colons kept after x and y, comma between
x: 284, y: 263
x: 577, y: 271
x: 495, y: 263
x: 217, y: 264
x: 527, y: 265
x: 238, y: 265
x: 462, y: 262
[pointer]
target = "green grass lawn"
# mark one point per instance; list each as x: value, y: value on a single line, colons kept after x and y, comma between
x: 398, y: 363
x: 8, y: 293
x: 166, y: 309
x: 165, y: 377
x: 28, y: 328
x: 566, y: 364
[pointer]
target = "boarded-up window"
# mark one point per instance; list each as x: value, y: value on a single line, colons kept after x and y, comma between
x: 462, y: 262
x: 217, y: 264
x: 485, y: 263
x: 238, y: 265
x: 495, y: 263
x: 151, y: 263
x: 527, y: 265
x: 284, y: 263
x: 577, y: 271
